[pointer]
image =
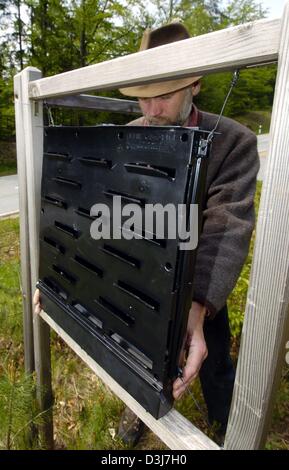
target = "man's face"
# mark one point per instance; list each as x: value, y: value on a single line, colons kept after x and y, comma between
x: 172, y: 109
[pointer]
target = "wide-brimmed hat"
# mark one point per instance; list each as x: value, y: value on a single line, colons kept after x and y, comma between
x: 153, y: 38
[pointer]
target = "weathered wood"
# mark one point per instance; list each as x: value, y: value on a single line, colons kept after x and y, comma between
x: 248, y: 44
x: 24, y: 230
x: 33, y: 130
x: 99, y: 103
x: 266, y: 326
x: 174, y: 430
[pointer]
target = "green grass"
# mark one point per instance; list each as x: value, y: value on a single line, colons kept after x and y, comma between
x: 8, y: 168
x: 254, y: 119
x: 17, y: 406
x: 86, y: 413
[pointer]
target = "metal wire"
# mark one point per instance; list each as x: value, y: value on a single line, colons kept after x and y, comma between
x: 49, y: 113
x: 232, y: 86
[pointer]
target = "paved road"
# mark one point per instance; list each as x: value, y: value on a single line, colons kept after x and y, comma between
x: 9, y: 203
x: 263, y: 142
x: 263, y: 147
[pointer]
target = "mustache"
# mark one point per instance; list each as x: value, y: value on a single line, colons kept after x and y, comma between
x: 159, y: 121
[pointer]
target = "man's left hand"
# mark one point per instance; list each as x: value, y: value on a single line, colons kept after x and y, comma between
x: 196, y: 349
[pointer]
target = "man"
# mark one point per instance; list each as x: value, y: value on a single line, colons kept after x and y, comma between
x: 224, y: 243
x: 223, y: 246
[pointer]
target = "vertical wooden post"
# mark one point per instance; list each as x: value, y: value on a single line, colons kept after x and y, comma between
x: 33, y: 130
x: 267, y: 312
x: 24, y: 230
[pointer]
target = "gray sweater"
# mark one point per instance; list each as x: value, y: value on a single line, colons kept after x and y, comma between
x: 229, y: 210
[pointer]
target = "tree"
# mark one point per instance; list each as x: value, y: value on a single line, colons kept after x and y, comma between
x: 19, y: 28
x: 242, y: 11
x: 49, y: 39
x: 7, y: 70
x: 61, y: 35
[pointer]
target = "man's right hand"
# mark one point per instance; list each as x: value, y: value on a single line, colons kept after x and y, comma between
x: 37, y: 302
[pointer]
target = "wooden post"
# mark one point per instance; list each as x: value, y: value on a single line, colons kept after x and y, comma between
x: 24, y: 230
x: 266, y: 325
x: 33, y: 130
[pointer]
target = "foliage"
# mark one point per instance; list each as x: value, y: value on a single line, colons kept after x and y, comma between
x: 17, y: 408
x: 257, y: 121
x: 60, y: 35
x: 254, y: 91
x: 17, y: 405
x: 8, y: 164
x: 237, y: 299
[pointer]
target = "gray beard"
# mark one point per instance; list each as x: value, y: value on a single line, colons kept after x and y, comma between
x: 182, y: 116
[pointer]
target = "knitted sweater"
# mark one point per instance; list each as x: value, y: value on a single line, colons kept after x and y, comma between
x: 228, y: 217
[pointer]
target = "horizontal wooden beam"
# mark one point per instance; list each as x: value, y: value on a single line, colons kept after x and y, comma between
x: 237, y: 47
x: 98, y: 103
x: 173, y: 429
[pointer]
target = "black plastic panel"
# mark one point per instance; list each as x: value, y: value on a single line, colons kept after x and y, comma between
x: 125, y: 302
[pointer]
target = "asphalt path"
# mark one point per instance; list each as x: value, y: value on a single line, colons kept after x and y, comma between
x: 9, y: 199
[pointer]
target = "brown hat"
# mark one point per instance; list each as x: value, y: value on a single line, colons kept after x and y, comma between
x: 166, y: 34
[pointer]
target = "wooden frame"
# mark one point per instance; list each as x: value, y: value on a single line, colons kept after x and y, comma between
x: 98, y: 103
x: 249, y: 44
x: 267, y: 314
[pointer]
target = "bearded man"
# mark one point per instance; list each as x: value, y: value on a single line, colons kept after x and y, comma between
x: 228, y: 221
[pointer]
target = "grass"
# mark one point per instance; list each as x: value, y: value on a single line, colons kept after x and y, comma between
x: 86, y: 413
x: 254, y: 119
x: 8, y: 168
x: 17, y: 406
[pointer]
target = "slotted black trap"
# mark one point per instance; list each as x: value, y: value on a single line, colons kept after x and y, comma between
x: 125, y: 302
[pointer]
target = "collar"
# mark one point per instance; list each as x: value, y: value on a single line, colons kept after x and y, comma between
x: 194, y: 117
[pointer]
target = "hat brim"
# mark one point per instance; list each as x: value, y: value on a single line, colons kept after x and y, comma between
x: 157, y: 89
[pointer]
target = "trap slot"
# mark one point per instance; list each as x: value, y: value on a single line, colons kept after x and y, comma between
x: 127, y: 319
x: 52, y: 284
x: 57, y: 246
x: 143, y: 235
x: 138, y: 295
x: 109, y: 250
x: 85, y: 213
x: 141, y: 358
x: 55, y: 202
x: 89, y: 266
x: 64, y: 274
x: 125, y: 197
x: 151, y: 170
x: 58, y: 156
x: 67, y: 182
x: 83, y: 311
x: 99, y: 162
x: 72, y: 232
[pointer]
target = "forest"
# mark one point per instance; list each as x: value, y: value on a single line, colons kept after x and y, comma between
x: 60, y: 35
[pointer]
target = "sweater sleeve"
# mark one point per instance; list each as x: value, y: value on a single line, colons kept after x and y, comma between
x: 228, y: 219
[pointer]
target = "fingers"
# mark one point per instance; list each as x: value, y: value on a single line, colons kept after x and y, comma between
x: 180, y: 386
x: 196, y: 356
x: 37, y: 302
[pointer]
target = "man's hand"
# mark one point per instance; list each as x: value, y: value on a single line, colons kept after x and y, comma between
x: 37, y: 302
x: 196, y: 347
